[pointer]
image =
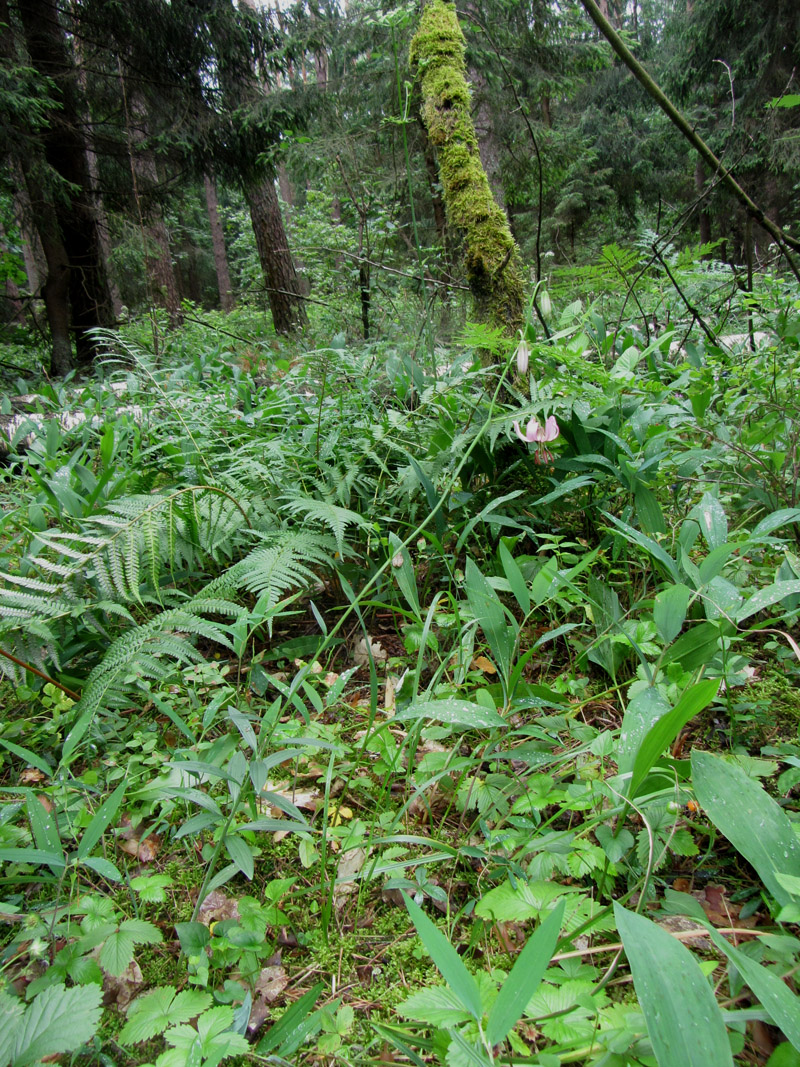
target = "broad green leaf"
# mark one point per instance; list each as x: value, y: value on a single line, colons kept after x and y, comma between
x: 44, y: 830
x: 454, y: 712
x: 784, y: 517
x: 544, y: 581
x: 646, y: 708
x: 568, y: 486
x: 239, y: 852
x: 722, y: 599
x: 404, y: 573
x: 193, y: 936
x: 491, y: 616
x: 777, y: 998
x: 790, y: 883
x: 516, y: 581
x: 669, y: 610
x: 153, y: 1013
x: 765, y: 598
x: 525, y: 976
x: 710, y: 516
x: 683, y: 1020
x: 464, y: 1053
x: 664, y: 731
x: 101, y: 820
x: 105, y: 868
x: 450, y: 964
x: 789, y: 100
x: 58, y: 1020
x: 750, y: 819
x: 695, y: 647
x: 648, y: 510
x: 29, y: 757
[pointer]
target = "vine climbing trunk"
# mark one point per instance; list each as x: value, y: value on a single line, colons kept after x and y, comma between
x: 492, y: 260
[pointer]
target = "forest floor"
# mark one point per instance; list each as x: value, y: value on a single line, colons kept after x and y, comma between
x: 357, y: 729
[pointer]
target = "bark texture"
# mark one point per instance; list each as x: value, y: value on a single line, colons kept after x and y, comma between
x: 284, y: 291
x: 218, y: 245
x: 158, y: 253
x: 65, y: 149
x: 492, y: 260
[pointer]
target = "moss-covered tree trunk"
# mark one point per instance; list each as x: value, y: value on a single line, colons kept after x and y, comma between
x: 492, y: 260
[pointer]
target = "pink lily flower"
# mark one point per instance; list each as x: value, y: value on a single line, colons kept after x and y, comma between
x: 539, y: 435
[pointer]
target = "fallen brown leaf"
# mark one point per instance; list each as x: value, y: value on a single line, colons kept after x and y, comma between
x: 218, y: 906
x: 31, y: 776
x: 121, y: 989
x: 484, y: 664
x: 350, y: 864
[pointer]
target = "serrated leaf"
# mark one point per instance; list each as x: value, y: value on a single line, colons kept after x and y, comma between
x: 518, y: 902
x: 117, y: 950
x: 437, y: 1005
x: 58, y: 1020
x: 161, y: 1008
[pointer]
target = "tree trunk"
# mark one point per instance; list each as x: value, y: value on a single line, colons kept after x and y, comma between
x: 56, y: 287
x: 95, y: 190
x: 285, y: 186
x: 488, y: 147
x: 493, y: 265
x: 547, y: 118
x: 158, y: 253
x: 65, y: 151
x: 280, y: 278
x: 218, y: 246
x: 46, y: 256
x: 32, y: 253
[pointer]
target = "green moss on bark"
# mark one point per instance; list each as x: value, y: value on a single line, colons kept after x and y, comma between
x: 494, y: 269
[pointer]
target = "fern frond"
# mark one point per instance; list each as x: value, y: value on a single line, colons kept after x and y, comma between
x: 336, y: 518
x: 274, y: 569
x: 33, y: 583
x: 141, y: 651
x: 17, y: 603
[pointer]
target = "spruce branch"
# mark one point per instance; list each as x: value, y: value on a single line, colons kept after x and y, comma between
x: 783, y: 240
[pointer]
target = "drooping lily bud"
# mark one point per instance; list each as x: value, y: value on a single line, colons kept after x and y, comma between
x: 523, y: 355
x: 545, y: 305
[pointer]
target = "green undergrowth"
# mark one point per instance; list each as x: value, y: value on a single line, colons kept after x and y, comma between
x: 320, y: 685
